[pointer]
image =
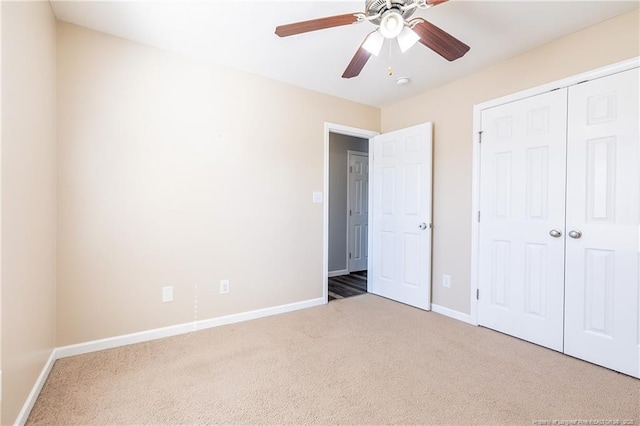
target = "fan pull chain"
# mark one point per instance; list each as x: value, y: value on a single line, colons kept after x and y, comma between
x: 389, y: 68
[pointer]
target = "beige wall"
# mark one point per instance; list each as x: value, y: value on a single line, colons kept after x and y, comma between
x: 450, y: 108
x: 176, y: 172
x: 1, y: 57
x: 28, y: 190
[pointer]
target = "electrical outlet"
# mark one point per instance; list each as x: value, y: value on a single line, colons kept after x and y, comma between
x: 224, y: 286
x: 446, y: 280
x: 167, y: 294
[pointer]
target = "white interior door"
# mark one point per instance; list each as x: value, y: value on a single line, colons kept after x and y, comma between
x: 358, y: 218
x: 603, y: 184
x: 522, y: 213
x: 401, y: 216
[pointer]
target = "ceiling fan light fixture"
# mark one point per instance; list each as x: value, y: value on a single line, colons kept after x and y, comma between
x: 407, y: 38
x: 373, y: 43
x: 391, y: 24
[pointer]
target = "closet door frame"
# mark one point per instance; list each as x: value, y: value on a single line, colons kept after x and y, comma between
x: 477, y: 115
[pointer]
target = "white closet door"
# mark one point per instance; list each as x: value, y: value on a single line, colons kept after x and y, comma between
x: 603, y: 193
x: 522, y: 196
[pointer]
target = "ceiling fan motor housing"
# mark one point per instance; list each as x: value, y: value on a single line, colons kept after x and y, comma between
x: 379, y: 7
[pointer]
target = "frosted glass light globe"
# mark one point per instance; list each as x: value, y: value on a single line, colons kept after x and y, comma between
x: 391, y: 24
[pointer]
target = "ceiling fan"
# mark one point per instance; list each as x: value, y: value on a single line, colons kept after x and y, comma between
x: 391, y: 18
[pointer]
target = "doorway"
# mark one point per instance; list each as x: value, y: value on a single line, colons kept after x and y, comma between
x: 399, y: 235
x: 348, y: 215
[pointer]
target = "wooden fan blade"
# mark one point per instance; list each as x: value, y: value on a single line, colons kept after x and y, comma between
x: 436, y: 2
x: 316, y: 24
x: 441, y: 42
x: 358, y: 62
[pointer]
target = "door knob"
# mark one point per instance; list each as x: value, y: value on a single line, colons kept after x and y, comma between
x: 555, y: 233
x: 575, y: 234
x: 422, y: 226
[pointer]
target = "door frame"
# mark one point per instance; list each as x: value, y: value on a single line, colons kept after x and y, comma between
x: 349, y: 154
x: 477, y: 122
x: 348, y: 131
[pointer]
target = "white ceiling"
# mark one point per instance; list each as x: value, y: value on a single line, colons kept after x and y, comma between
x: 240, y: 34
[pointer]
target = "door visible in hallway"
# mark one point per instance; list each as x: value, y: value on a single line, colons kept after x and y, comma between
x: 358, y: 205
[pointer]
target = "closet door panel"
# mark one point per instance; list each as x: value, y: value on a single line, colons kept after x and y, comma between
x: 522, y: 196
x: 603, y: 222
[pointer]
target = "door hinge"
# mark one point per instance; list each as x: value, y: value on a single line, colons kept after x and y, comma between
x: 349, y: 212
x: 480, y: 136
x: 478, y: 215
x: 477, y: 294
x: 350, y: 169
x: 349, y: 255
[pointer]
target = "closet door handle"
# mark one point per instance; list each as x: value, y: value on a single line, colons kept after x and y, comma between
x: 575, y: 234
x: 555, y: 233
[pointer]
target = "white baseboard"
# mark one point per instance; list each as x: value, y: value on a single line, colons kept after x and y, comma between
x: 35, y: 391
x: 338, y: 273
x: 159, y: 333
x: 144, y: 336
x: 460, y: 316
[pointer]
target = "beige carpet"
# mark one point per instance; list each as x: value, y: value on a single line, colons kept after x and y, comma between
x: 361, y: 360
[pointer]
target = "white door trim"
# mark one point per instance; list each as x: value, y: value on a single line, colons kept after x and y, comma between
x: 349, y: 154
x: 343, y: 130
x: 475, y: 184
